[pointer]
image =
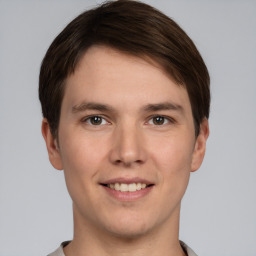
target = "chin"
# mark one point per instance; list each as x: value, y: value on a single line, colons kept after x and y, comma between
x: 130, y: 227
x: 128, y: 232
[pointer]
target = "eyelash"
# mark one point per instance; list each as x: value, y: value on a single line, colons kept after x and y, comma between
x: 166, y: 120
x: 89, y: 119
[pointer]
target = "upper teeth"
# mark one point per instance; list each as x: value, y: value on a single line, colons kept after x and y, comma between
x: 127, y: 187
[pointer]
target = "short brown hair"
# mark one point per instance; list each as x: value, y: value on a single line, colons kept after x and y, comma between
x: 132, y: 27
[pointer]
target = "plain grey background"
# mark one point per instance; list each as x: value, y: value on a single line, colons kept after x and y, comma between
x: 219, y: 209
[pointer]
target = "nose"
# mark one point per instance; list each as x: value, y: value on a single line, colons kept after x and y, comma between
x: 128, y: 146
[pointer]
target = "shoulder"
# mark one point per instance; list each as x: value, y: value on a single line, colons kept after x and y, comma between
x: 59, y: 251
x: 187, y: 249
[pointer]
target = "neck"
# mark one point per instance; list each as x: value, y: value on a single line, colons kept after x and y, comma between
x: 89, y: 240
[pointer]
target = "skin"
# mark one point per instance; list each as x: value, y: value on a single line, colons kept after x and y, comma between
x: 126, y: 142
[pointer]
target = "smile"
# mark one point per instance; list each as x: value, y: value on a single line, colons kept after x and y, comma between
x: 127, y: 190
x: 123, y: 187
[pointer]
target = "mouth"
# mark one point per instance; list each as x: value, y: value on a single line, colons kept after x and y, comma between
x: 125, y: 187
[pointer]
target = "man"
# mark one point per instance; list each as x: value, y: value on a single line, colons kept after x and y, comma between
x: 125, y: 99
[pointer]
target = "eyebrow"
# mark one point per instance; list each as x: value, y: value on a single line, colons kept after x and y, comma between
x: 106, y: 108
x: 163, y: 106
x: 91, y: 106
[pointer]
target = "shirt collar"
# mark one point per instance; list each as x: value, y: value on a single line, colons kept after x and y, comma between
x: 59, y: 251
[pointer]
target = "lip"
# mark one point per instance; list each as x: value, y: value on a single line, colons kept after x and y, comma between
x: 127, y: 196
x: 127, y: 181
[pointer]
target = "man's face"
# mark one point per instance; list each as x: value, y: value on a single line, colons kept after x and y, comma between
x: 125, y: 125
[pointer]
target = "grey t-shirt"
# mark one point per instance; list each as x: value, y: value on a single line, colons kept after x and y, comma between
x: 59, y: 251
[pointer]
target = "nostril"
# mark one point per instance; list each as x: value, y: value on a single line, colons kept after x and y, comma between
x: 127, y: 163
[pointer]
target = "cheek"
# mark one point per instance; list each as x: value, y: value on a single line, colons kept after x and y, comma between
x: 81, y: 160
x: 173, y: 154
x: 81, y: 164
x: 173, y: 160
x: 81, y: 153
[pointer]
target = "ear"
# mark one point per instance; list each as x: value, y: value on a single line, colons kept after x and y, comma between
x: 200, y: 146
x: 52, y: 146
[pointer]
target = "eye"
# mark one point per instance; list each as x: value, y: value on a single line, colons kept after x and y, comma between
x: 159, y: 120
x: 95, y: 120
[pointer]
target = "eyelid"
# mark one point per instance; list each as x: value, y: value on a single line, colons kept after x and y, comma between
x: 87, y: 118
x: 168, y: 118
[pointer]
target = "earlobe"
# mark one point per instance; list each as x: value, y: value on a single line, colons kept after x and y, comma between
x: 52, y: 146
x: 200, y: 146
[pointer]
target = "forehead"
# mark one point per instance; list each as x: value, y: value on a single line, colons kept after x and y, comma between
x: 108, y: 76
